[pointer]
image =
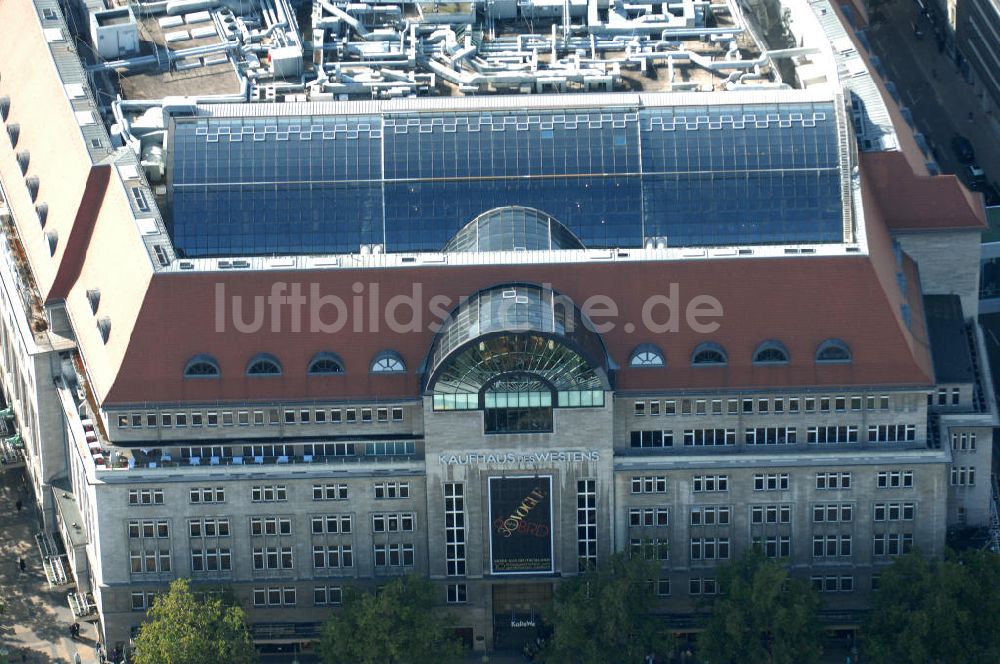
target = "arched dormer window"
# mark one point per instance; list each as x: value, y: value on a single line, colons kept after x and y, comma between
x: 771, y: 352
x: 263, y: 364
x: 833, y: 351
x: 647, y: 355
x: 709, y: 354
x: 202, y: 366
x: 325, y: 364
x: 388, y: 361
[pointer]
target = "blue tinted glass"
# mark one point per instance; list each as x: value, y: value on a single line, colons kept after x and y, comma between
x: 722, y: 175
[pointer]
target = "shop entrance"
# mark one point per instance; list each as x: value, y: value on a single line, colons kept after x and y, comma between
x: 517, y: 614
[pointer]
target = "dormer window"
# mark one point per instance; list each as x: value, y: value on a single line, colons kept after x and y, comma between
x: 325, y: 364
x: 709, y: 354
x: 388, y: 361
x: 833, y: 351
x: 647, y: 355
x: 202, y: 366
x: 263, y: 364
x: 771, y: 352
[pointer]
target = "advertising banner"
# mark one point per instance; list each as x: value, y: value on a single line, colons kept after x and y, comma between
x: 521, y: 525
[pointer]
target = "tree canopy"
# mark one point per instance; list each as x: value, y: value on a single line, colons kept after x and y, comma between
x: 763, y: 615
x: 396, y: 624
x: 605, y: 615
x: 936, y: 612
x: 183, y: 629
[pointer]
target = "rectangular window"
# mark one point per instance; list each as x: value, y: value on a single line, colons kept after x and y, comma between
x: 392, y: 490
x: 855, y: 403
x: 833, y: 513
x: 366, y: 415
x: 454, y: 523
x: 639, y: 408
x: 827, y: 546
x: 793, y: 404
x: 709, y: 437
x: 457, y: 593
x: 332, y: 524
x: 669, y: 407
x: 702, y: 587
x: 586, y: 524
x: 651, y: 484
x: 833, y: 481
x: 332, y: 556
x: 770, y: 514
x: 327, y: 596
x: 329, y: 492
x: 894, y: 479
x: 709, y: 548
x: 770, y: 482
x: 145, y: 496
x: 397, y: 414
x: 336, y: 416
x: 258, y: 417
x: 891, y: 544
x: 732, y: 407
x: 393, y: 555
x: 710, y: 515
x: 272, y: 493
x: 710, y: 483
x: 963, y: 476
x: 652, y: 438
x: 774, y: 546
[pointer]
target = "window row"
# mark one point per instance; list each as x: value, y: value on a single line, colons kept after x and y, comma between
x: 148, y: 529
x: 964, y: 441
x: 832, y: 584
x: 762, y: 405
x: 264, y: 364
x: 648, y: 516
x: 273, y: 416
x: 963, y: 476
x: 655, y: 438
x: 769, y: 352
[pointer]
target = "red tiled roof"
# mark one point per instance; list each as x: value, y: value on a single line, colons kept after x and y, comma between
x: 800, y: 301
x: 920, y: 202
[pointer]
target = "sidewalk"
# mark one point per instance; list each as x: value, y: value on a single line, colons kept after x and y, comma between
x: 36, y: 625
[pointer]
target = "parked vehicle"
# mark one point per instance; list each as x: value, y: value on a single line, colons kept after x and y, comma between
x: 963, y: 149
x: 975, y: 177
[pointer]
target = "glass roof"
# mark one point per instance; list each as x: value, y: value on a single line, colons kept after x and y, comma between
x: 513, y: 228
x: 516, y: 329
x: 701, y: 176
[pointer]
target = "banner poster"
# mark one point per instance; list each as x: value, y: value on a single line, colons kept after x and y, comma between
x: 521, y: 525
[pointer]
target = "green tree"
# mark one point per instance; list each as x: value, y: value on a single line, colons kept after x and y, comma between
x: 936, y: 612
x: 606, y: 615
x: 183, y: 629
x: 397, y: 624
x: 763, y: 615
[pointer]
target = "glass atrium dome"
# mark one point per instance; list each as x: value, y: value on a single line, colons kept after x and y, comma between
x: 516, y: 352
x: 513, y: 228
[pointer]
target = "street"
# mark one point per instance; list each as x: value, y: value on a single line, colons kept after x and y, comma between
x: 942, y: 102
x: 35, y: 627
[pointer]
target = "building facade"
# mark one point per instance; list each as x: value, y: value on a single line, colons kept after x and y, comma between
x: 485, y: 338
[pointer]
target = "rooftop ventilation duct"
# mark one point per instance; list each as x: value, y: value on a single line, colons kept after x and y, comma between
x: 104, y: 327
x: 13, y: 132
x: 52, y: 240
x: 42, y: 210
x: 94, y: 297
x: 31, y: 182
x: 4, y: 107
x: 23, y: 159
